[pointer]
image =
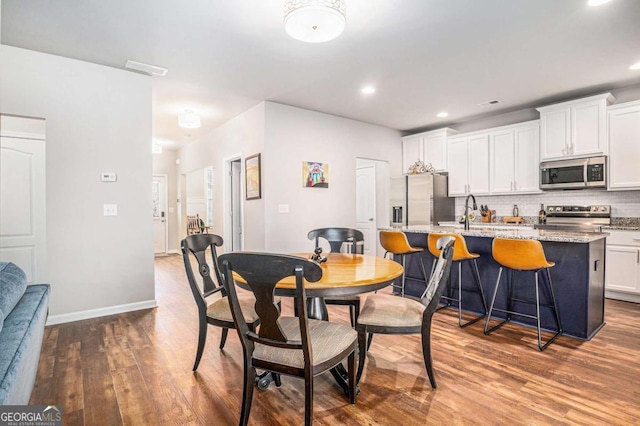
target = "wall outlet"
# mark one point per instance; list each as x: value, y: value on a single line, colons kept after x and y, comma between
x: 283, y: 208
x: 110, y: 210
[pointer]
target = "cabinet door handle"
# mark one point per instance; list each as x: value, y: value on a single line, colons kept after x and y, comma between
x: 636, y: 239
x: 515, y: 186
x: 638, y: 256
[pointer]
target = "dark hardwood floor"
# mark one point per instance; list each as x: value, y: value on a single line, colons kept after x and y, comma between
x: 135, y: 369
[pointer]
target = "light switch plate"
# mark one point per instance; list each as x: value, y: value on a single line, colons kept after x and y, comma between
x: 283, y: 208
x: 109, y: 177
x: 110, y: 209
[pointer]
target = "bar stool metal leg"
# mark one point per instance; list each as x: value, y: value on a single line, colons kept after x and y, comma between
x: 488, y: 330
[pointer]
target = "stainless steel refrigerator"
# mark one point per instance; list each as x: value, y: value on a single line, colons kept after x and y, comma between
x: 421, y: 200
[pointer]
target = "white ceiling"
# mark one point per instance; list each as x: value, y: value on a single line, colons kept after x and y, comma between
x: 423, y: 56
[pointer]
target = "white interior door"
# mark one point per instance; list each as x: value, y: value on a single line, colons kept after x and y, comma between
x: 159, y: 191
x: 366, y: 206
x: 236, y: 206
x: 23, y: 200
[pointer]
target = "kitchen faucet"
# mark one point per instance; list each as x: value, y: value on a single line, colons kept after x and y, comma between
x: 466, y: 210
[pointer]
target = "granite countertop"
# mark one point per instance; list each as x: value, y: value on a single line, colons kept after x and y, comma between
x: 624, y: 224
x: 519, y: 233
x: 621, y: 228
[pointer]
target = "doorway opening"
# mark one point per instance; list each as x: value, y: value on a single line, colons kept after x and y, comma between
x: 160, y: 224
x: 233, y: 206
x: 372, y: 201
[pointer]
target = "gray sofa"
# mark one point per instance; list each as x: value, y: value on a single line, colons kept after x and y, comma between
x: 23, y: 313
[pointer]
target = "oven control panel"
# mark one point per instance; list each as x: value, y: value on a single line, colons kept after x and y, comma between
x: 577, y: 211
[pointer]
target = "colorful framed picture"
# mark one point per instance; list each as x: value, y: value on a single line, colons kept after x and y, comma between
x: 252, y: 177
x: 315, y: 175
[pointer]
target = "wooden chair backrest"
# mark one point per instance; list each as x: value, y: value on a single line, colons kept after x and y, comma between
x: 261, y: 272
x: 338, y: 236
x: 196, y: 245
x: 440, y: 277
x: 193, y: 225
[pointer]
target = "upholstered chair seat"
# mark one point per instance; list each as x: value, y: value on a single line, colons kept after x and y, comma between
x: 381, y: 310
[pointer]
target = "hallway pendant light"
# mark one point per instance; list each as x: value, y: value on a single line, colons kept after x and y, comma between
x: 314, y: 21
x: 189, y: 120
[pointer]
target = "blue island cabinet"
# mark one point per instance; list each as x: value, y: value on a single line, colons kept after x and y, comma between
x: 578, y: 281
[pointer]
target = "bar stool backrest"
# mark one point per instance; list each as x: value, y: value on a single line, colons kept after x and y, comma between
x: 460, y: 250
x: 523, y: 255
x: 395, y: 242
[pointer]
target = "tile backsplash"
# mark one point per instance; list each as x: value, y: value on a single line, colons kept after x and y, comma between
x: 623, y: 203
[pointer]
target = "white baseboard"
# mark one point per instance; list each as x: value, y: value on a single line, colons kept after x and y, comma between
x: 173, y: 252
x: 101, y: 312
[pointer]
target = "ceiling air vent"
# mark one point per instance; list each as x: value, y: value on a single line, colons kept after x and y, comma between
x: 489, y: 103
x: 146, y: 68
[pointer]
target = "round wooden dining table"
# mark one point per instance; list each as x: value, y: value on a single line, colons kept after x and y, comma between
x: 343, y: 274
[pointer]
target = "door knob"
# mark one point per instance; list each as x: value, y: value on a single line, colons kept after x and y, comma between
x: 371, y: 220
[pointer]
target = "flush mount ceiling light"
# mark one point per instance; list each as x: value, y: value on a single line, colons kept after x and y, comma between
x: 443, y: 114
x: 635, y: 66
x: 314, y: 21
x: 189, y: 120
x: 146, y: 68
x: 368, y: 90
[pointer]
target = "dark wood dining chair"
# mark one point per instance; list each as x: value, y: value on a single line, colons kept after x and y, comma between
x: 389, y: 314
x: 296, y: 346
x: 336, y: 237
x: 193, y: 225
x: 202, y: 247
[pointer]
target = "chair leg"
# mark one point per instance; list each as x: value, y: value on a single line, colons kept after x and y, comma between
x: 223, y: 339
x: 426, y: 351
x: 247, y: 392
x: 542, y: 347
x: 369, y: 340
x: 362, y: 349
x: 351, y: 364
x: 404, y: 275
x: 553, y: 300
x: 352, y: 315
x: 488, y: 330
x: 479, y: 282
x: 276, y: 379
x: 202, y: 339
x: 308, y: 398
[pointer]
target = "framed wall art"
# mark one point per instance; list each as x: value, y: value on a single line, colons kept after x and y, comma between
x: 252, y: 177
x: 315, y: 175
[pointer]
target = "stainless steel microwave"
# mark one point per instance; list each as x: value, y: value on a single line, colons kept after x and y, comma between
x: 574, y: 174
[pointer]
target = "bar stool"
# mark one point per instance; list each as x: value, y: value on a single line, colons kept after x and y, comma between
x: 460, y: 255
x: 395, y: 242
x: 522, y: 255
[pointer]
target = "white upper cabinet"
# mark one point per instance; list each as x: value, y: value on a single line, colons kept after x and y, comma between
x: 574, y: 129
x: 514, y: 160
x: 468, y: 162
x: 624, y: 146
x: 527, y: 158
x: 411, y: 151
x: 429, y: 147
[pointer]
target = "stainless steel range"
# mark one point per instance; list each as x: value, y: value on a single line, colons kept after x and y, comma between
x: 577, y: 218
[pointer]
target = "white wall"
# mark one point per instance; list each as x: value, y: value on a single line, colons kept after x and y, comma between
x: 98, y: 120
x: 244, y: 135
x: 294, y: 135
x: 165, y: 164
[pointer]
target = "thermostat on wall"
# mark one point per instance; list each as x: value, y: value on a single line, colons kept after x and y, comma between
x: 109, y: 177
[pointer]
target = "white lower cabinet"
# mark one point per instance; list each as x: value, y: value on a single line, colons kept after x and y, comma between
x: 622, y: 277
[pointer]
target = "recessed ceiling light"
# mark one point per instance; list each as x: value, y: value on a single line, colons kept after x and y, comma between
x: 443, y: 114
x: 597, y: 2
x: 367, y: 90
x: 635, y: 66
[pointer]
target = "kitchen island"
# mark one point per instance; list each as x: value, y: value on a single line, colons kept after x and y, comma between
x: 578, y: 274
